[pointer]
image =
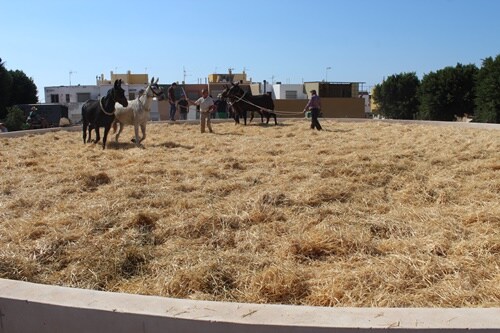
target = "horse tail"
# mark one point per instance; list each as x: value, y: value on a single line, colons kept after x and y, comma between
x: 85, y: 121
x: 84, y: 111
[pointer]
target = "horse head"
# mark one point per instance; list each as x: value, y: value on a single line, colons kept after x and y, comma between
x: 235, y: 91
x: 155, y: 89
x: 118, y: 93
x: 225, y: 93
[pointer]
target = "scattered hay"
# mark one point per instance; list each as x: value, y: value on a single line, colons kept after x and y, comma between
x: 361, y: 214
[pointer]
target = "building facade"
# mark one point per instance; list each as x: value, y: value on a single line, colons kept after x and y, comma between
x: 340, y: 99
x: 74, y: 96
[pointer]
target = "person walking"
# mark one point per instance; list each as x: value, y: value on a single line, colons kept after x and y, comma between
x: 183, y: 106
x: 206, y: 104
x: 314, y: 105
x: 171, y: 100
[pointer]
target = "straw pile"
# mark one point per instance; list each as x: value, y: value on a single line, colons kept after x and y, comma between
x: 364, y: 215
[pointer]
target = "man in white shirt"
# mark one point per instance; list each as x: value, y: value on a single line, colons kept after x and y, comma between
x: 206, y: 104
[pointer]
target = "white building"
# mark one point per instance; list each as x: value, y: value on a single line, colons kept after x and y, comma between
x: 74, y: 96
x: 288, y: 91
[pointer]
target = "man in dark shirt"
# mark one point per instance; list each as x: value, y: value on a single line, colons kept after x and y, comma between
x: 314, y: 105
x: 183, y: 105
x: 171, y: 100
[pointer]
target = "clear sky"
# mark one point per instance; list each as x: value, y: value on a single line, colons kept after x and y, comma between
x: 290, y: 41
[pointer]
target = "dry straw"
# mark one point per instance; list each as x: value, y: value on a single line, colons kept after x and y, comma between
x: 362, y: 214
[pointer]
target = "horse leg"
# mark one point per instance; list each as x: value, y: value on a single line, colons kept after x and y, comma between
x: 119, y: 131
x: 105, y: 137
x: 245, y: 117
x: 251, y: 116
x: 136, y: 132
x: 97, y: 134
x: 91, y: 127
x: 143, y: 130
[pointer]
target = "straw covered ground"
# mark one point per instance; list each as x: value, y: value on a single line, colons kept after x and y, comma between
x: 362, y: 214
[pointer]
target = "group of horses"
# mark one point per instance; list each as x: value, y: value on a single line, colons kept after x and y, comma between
x: 115, y: 110
x: 242, y: 102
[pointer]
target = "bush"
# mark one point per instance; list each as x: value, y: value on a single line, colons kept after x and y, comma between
x: 15, y: 120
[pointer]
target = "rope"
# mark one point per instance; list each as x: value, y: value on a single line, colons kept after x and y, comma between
x: 102, y: 108
x: 268, y: 110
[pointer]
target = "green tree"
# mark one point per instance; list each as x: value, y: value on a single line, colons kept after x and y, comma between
x: 448, y: 92
x: 23, y: 90
x: 15, y: 119
x: 397, y: 96
x: 488, y: 91
x: 5, y: 89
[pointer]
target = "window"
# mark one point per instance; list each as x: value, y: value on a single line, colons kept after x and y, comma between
x: 67, y: 98
x: 82, y: 97
x: 291, y: 94
x: 54, y: 98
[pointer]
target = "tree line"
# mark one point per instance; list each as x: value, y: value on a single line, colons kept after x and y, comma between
x: 463, y: 90
x: 15, y: 88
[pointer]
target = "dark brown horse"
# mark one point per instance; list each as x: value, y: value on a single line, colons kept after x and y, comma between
x: 242, y: 102
x: 101, y: 113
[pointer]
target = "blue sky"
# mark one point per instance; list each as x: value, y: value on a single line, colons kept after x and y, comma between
x: 288, y: 41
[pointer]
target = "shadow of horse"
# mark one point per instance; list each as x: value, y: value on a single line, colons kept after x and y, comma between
x: 101, y: 113
x: 121, y: 145
x: 171, y: 145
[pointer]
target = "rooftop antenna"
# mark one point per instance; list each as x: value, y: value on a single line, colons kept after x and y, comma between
x: 70, y: 73
x: 184, y: 74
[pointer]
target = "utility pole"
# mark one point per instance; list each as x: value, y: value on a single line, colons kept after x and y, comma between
x: 70, y: 73
x: 184, y: 74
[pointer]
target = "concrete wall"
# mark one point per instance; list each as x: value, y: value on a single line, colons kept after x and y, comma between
x: 29, y: 307
x: 330, y: 107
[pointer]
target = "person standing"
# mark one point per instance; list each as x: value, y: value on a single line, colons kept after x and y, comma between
x: 34, y: 118
x: 314, y: 105
x: 206, y: 104
x: 171, y: 100
x: 183, y: 106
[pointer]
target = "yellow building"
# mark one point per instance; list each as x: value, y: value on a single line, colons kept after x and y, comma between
x: 228, y: 78
x: 127, y: 78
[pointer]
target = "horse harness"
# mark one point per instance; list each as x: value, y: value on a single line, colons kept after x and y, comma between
x: 155, y: 94
x: 102, y: 107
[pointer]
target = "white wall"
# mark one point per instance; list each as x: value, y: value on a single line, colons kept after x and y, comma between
x: 279, y: 90
x: 28, y: 307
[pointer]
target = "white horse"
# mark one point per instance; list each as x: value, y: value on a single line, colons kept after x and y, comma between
x: 137, y: 112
